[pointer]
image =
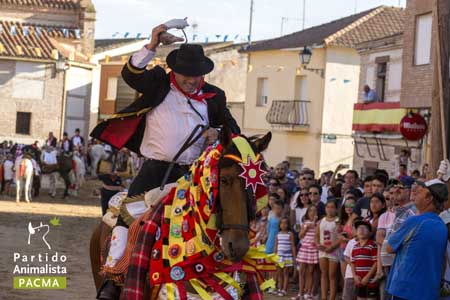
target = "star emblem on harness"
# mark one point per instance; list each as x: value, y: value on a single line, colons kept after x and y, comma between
x: 252, y: 173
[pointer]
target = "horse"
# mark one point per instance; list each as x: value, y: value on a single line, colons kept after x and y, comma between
x: 97, y: 153
x: 24, y: 177
x: 233, y: 202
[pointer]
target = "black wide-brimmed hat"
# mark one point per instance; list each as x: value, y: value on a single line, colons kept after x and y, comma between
x: 189, y: 60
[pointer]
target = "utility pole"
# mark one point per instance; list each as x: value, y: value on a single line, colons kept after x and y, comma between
x: 440, y: 105
x: 250, y: 24
x: 304, y: 15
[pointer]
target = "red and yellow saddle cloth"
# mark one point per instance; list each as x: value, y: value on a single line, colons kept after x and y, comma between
x: 187, y: 246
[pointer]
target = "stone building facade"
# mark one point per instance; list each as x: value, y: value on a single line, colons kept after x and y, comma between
x: 45, y: 74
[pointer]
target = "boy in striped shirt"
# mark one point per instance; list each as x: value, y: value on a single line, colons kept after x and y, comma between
x: 363, y: 262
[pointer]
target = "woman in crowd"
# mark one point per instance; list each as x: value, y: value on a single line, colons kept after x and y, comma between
x: 346, y: 221
x: 377, y: 208
x: 328, y: 241
x: 308, y: 256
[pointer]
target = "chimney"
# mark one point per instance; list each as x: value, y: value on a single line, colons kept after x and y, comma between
x: 87, y: 26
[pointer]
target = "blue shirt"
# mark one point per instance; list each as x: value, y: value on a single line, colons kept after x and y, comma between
x: 420, y: 245
x: 272, y: 230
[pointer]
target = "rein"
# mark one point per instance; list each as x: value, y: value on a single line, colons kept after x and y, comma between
x: 192, y: 139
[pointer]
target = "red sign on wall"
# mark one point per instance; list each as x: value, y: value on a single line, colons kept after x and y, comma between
x: 413, y: 127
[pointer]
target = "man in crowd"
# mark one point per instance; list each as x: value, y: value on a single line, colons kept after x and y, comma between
x: 77, y: 139
x: 51, y: 140
x: 286, y: 183
x: 370, y: 95
x: 377, y: 185
x: 66, y: 143
x: 419, y: 245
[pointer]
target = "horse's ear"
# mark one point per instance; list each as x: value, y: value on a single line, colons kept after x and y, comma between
x: 262, y: 143
x: 225, y: 136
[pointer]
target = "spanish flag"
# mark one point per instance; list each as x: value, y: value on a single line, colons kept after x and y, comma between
x: 378, y: 117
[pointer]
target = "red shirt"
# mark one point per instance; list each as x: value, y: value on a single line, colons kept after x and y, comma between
x: 364, y: 257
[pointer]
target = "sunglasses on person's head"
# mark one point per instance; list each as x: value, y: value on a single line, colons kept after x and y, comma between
x: 349, y: 205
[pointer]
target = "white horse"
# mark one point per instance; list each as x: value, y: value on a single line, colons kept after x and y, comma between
x: 24, y: 175
x: 80, y: 170
x: 97, y: 153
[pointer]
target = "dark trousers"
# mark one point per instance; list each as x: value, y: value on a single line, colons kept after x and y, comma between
x: 151, y: 176
x: 105, y: 197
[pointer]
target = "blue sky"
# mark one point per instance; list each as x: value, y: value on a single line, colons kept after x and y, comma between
x: 225, y: 17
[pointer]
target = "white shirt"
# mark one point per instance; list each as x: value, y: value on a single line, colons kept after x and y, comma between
x: 170, y: 123
x: 76, y: 141
x: 348, y: 252
x: 66, y: 145
x: 8, y: 169
x: 49, y: 157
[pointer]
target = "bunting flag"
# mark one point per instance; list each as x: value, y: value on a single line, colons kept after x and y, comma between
x: 138, y: 35
x: 107, y: 59
x: 126, y: 34
x: 19, y: 50
x: 55, y: 54
x: 194, y: 37
x: 25, y: 30
x: 2, y: 48
x: 12, y: 30
x: 38, y: 51
x: 225, y: 38
x: 1, y: 28
x: 115, y: 34
x: 77, y: 33
x: 38, y: 30
x: 65, y: 32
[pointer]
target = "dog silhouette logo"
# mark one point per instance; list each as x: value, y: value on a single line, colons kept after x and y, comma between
x: 39, y: 229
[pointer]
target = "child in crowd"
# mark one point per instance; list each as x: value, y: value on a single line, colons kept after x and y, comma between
x: 261, y: 228
x: 377, y: 208
x: 285, y: 249
x: 363, y: 262
x: 385, y: 260
x: 328, y: 241
x: 308, y: 256
x: 346, y: 220
x: 273, y: 225
x: 274, y: 197
x: 348, y: 293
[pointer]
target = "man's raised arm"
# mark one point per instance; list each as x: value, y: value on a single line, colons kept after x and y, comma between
x: 135, y: 73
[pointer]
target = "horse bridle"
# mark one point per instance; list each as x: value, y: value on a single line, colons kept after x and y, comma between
x: 251, y: 213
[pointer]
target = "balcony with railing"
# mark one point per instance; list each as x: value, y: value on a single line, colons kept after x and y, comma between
x: 289, y: 114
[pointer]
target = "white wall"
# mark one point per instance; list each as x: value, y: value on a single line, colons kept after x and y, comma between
x: 341, y: 92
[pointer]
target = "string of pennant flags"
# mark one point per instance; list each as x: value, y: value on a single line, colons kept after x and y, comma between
x: 193, y: 37
x: 26, y: 30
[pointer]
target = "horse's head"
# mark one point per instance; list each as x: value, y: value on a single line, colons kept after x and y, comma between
x: 237, y: 205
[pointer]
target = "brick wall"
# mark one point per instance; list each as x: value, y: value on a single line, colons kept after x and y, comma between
x: 45, y: 112
x: 417, y: 80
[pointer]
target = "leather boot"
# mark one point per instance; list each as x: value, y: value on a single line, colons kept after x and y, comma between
x: 108, y: 291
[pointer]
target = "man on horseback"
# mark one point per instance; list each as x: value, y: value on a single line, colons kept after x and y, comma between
x: 157, y: 125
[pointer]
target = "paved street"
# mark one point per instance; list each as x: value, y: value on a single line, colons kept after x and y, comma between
x: 77, y: 215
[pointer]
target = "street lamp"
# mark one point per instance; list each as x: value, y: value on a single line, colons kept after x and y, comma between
x: 305, y: 59
x: 305, y: 56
